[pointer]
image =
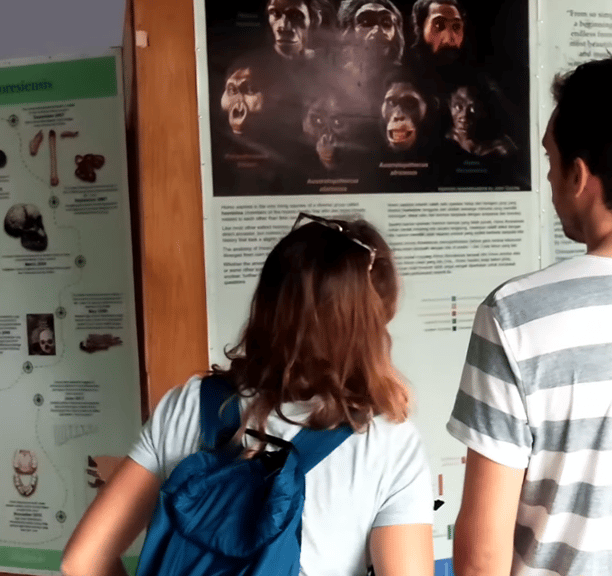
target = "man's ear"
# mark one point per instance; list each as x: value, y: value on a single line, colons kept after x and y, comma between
x: 580, y: 176
x: 319, y: 18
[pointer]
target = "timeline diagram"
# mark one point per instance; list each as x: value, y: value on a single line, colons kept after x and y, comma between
x: 69, y: 389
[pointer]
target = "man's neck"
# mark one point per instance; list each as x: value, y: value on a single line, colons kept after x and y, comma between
x: 600, y: 242
x: 602, y: 249
x: 597, y: 227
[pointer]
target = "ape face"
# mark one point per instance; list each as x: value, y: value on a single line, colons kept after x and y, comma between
x: 443, y: 31
x: 466, y: 112
x: 327, y: 126
x: 403, y: 111
x: 290, y: 22
x: 46, y: 341
x: 241, y: 99
x: 376, y: 27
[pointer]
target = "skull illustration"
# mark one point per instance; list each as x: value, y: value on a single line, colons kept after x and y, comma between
x: 46, y: 341
x: 25, y: 221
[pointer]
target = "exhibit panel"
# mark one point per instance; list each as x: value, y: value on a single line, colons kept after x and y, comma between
x: 70, y: 386
x: 351, y: 109
x: 572, y: 34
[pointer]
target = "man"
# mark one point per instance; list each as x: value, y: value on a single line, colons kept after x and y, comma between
x: 293, y: 23
x: 535, y: 401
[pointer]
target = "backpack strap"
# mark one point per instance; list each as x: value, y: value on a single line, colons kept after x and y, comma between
x: 219, y: 412
x: 314, y: 445
x: 220, y: 418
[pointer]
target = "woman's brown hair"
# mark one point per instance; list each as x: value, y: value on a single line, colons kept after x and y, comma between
x: 317, y: 330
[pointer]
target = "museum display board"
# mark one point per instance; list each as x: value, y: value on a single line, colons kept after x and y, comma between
x: 350, y: 109
x: 70, y: 386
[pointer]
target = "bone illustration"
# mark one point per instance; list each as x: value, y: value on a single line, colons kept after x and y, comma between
x: 53, y: 156
x: 25, y: 478
x: 101, y: 468
x: 63, y: 433
x: 68, y: 134
x: 36, y: 142
x: 87, y: 166
x: 46, y: 341
x: 41, y: 334
x: 25, y: 221
x: 92, y: 470
x: 97, y: 342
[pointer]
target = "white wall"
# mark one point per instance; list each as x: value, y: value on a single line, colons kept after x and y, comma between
x: 53, y: 27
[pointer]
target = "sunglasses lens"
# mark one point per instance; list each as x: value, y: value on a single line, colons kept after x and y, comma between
x: 304, y: 218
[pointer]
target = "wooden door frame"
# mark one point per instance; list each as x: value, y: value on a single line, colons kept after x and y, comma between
x: 163, y: 138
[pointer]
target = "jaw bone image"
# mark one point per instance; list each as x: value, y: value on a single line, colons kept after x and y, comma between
x: 25, y: 478
x: 25, y: 221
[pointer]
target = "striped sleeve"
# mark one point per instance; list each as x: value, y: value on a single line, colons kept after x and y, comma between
x: 489, y: 413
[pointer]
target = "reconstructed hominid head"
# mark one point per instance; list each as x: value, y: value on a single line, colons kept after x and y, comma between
x: 290, y: 22
x: 439, y: 29
x: 241, y: 99
x: 377, y: 26
x: 328, y: 125
x: 466, y: 111
x: 403, y: 112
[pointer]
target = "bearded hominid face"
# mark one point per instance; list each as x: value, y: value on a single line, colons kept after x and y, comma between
x: 443, y: 31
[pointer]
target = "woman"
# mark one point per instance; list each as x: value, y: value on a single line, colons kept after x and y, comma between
x: 315, y: 352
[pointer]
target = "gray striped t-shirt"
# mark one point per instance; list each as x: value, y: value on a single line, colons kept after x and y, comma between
x: 536, y: 393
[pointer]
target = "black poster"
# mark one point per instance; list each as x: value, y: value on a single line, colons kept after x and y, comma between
x: 358, y: 96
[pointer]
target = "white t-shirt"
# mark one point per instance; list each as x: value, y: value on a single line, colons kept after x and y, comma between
x: 376, y: 478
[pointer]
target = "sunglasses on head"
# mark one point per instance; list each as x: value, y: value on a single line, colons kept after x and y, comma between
x: 304, y: 218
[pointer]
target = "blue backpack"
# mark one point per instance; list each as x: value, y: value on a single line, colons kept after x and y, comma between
x: 222, y: 515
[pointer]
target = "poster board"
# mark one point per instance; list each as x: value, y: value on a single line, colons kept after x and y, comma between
x: 280, y: 135
x: 70, y: 393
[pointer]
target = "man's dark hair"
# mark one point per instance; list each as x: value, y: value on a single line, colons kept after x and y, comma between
x: 583, y: 123
x: 420, y: 11
x: 348, y: 9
